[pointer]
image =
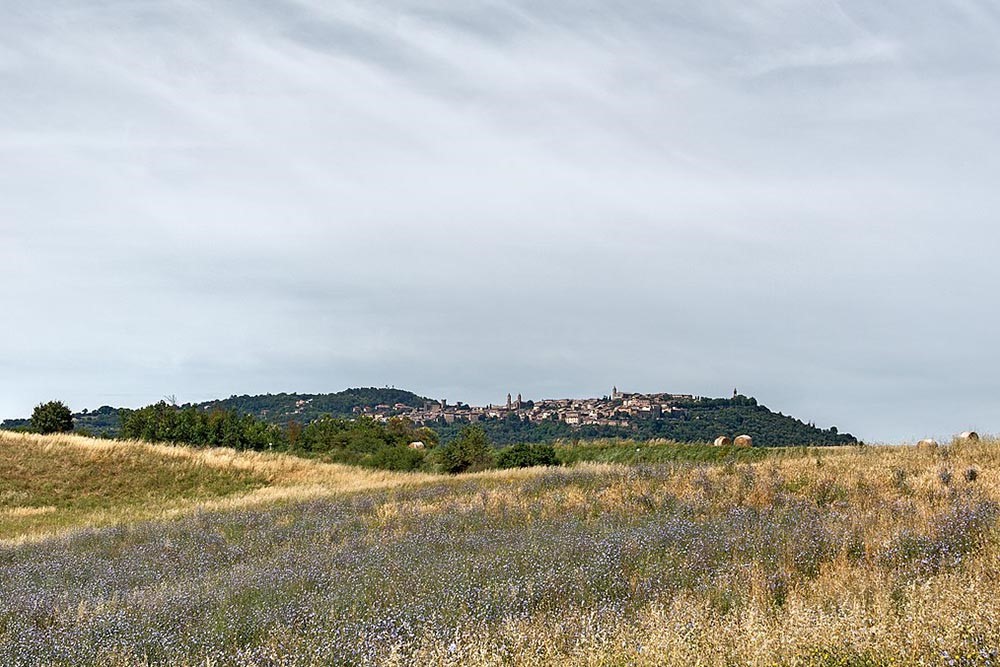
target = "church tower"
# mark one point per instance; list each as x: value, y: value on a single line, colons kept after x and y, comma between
x: 509, y: 406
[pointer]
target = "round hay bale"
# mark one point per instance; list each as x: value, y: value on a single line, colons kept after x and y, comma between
x: 927, y: 443
x: 743, y: 441
x: 969, y: 436
x: 723, y: 441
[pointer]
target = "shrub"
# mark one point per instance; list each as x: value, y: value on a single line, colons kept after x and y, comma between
x: 469, y: 452
x: 52, y: 417
x: 526, y: 456
x: 397, y: 457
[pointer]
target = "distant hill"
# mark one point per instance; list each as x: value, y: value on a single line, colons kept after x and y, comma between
x: 273, y: 408
x: 304, y: 408
x: 701, y: 420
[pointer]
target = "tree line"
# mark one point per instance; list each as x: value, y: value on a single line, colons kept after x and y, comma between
x: 395, y: 444
x: 398, y: 444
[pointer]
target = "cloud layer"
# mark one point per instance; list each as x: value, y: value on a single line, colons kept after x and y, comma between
x: 797, y: 198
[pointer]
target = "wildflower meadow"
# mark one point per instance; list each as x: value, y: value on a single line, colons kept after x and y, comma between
x: 856, y: 556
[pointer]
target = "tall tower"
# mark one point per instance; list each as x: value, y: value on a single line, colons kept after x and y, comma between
x: 509, y: 406
x: 614, y: 393
x: 518, y: 404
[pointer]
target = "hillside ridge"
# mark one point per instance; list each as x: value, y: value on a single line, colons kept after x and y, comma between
x: 680, y: 417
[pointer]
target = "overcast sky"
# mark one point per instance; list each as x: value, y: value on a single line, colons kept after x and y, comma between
x: 795, y: 198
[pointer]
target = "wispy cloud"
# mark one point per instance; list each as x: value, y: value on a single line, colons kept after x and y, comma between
x: 794, y: 197
x: 865, y: 52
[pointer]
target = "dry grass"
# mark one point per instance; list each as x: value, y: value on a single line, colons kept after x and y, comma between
x: 50, y: 483
x: 851, y: 557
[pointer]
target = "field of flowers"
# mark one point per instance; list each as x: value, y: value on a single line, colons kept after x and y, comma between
x: 860, y: 556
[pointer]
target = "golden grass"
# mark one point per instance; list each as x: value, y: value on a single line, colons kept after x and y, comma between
x: 55, y: 482
x: 49, y: 483
x: 847, y: 614
x: 849, y: 611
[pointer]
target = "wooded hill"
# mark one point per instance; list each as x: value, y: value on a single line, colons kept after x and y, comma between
x: 273, y: 408
x: 702, y: 420
x: 305, y: 408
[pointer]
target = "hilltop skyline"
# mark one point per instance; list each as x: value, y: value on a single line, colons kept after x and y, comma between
x: 614, y: 414
x: 654, y: 416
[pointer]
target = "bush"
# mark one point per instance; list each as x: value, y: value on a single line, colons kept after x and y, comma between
x: 526, y: 456
x: 52, y: 417
x: 398, y: 457
x: 469, y: 452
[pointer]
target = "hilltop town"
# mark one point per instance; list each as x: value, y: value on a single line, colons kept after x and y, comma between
x: 618, y: 409
x: 643, y: 416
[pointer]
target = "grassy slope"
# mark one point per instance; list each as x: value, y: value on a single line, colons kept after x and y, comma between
x: 848, y: 556
x: 53, y: 482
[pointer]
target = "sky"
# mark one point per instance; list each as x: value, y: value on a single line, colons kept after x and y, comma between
x: 795, y: 198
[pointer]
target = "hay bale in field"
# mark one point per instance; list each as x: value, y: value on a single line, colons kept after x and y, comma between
x: 927, y: 443
x: 743, y: 441
x: 969, y: 436
x: 723, y: 441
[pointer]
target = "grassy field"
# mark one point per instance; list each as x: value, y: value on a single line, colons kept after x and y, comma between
x: 854, y: 556
x: 662, y: 451
x: 48, y: 483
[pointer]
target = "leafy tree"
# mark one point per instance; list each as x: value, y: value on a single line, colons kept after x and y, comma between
x: 163, y: 422
x: 426, y: 435
x: 469, y: 452
x: 52, y: 417
x: 398, y: 457
x: 363, y: 441
x: 525, y: 456
x: 294, y: 434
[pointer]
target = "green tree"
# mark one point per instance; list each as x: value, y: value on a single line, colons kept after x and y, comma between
x: 469, y: 452
x: 397, y: 457
x: 525, y: 455
x: 52, y: 417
